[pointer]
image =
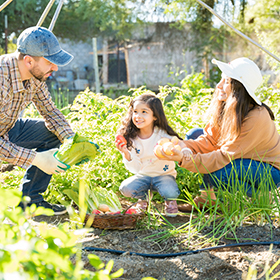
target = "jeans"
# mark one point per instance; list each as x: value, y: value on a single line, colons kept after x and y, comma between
x: 138, y: 186
x: 250, y: 174
x: 194, y: 133
x: 33, y: 134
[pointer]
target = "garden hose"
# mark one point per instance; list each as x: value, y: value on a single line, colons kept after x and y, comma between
x: 181, y: 253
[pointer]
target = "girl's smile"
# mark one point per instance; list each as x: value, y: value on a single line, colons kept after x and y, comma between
x: 143, y: 117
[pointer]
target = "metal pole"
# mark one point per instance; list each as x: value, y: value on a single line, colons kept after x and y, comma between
x: 95, y: 65
x: 5, y: 4
x: 57, y: 11
x: 6, y: 34
x: 44, y: 14
x: 237, y: 31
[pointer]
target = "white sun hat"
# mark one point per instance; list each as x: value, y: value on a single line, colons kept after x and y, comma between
x: 245, y: 71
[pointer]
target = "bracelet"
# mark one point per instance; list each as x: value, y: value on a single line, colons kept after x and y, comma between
x: 187, y: 149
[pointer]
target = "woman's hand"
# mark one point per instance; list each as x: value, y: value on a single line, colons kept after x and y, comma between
x: 182, y: 144
x: 176, y: 155
x: 187, y: 153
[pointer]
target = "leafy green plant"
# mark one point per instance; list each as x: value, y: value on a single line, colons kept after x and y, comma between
x: 98, y: 117
x: 233, y: 208
x: 42, y: 253
x: 76, y: 150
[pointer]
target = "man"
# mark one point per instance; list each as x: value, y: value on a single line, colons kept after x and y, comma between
x: 31, y: 143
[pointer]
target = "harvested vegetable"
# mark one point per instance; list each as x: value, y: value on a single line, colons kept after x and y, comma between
x: 102, y: 196
x: 103, y: 208
x: 76, y: 150
x: 131, y: 211
x: 96, y: 199
x: 121, y: 139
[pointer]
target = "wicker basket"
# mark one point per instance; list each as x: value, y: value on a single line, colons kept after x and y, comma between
x: 114, y: 221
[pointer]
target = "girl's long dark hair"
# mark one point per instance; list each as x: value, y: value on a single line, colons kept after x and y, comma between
x: 227, y: 116
x: 130, y: 131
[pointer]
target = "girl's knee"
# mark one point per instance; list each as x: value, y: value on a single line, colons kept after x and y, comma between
x: 125, y: 191
x: 171, y: 194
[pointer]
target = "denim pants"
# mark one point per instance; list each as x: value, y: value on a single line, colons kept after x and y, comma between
x: 33, y: 134
x: 138, y: 186
x: 246, y: 173
x: 250, y: 174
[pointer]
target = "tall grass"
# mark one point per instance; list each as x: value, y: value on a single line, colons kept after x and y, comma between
x: 233, y: 209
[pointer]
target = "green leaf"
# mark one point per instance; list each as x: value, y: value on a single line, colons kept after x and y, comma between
x: 76, y: 150
x: 95, y: 261
x: 43, y: 211
x: 109, y: 265
x: 117, y: 274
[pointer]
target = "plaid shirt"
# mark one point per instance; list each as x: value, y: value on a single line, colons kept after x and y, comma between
x: 14, y: 97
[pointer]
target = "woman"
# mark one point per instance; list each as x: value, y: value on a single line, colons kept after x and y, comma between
x: 240, y: 136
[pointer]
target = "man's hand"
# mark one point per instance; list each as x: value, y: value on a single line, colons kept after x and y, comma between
x: 48, y: 163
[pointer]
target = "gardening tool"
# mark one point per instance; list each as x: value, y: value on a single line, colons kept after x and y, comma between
x: 237, y: 31
x: 4, y: 5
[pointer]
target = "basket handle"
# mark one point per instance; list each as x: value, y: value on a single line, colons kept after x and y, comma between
x: 124, y: 211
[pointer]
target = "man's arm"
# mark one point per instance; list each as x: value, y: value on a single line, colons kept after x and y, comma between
x: 54, y: 119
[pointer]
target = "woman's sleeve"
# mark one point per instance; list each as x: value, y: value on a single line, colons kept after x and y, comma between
x: 205, y: 143
x: 250, y: 137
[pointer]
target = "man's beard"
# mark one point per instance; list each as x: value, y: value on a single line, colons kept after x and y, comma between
x: 38, y: 74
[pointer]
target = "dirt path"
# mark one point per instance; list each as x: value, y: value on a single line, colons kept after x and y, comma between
x: 227, y: 263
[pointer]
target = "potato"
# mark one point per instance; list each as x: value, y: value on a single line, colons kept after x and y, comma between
x: 175, y: 140
x: 157, y: 151
x: 103, y: 208
x: 178, y: 147
x: 166, y: 147
x: 162, y: 141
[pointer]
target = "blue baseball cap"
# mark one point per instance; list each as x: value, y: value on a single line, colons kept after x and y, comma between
x: 40, y: 41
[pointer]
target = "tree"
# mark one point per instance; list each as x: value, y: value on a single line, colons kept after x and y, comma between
x: 210, y: 38
x: 263, y: 19
x: 78, y: 19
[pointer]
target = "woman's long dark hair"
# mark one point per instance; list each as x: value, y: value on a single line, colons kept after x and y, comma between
x: 130, y: 131
x: 227, y: 116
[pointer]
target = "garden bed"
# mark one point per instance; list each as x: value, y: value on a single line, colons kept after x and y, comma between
x: 226, y: 263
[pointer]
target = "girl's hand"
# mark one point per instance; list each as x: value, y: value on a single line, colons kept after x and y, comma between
x: 122, y: 147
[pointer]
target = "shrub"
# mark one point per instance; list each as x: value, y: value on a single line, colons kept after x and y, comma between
x: 97, y: 117
x: 44, y: 252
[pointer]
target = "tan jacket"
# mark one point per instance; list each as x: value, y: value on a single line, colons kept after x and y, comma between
x: 258, y: 140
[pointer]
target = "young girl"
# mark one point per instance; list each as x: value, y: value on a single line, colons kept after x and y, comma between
x: 144, y: 125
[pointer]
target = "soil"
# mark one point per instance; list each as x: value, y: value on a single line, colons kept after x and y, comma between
x: 220, y: 263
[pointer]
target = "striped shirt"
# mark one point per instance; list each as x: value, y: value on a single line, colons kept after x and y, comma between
x: 14, y: 97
